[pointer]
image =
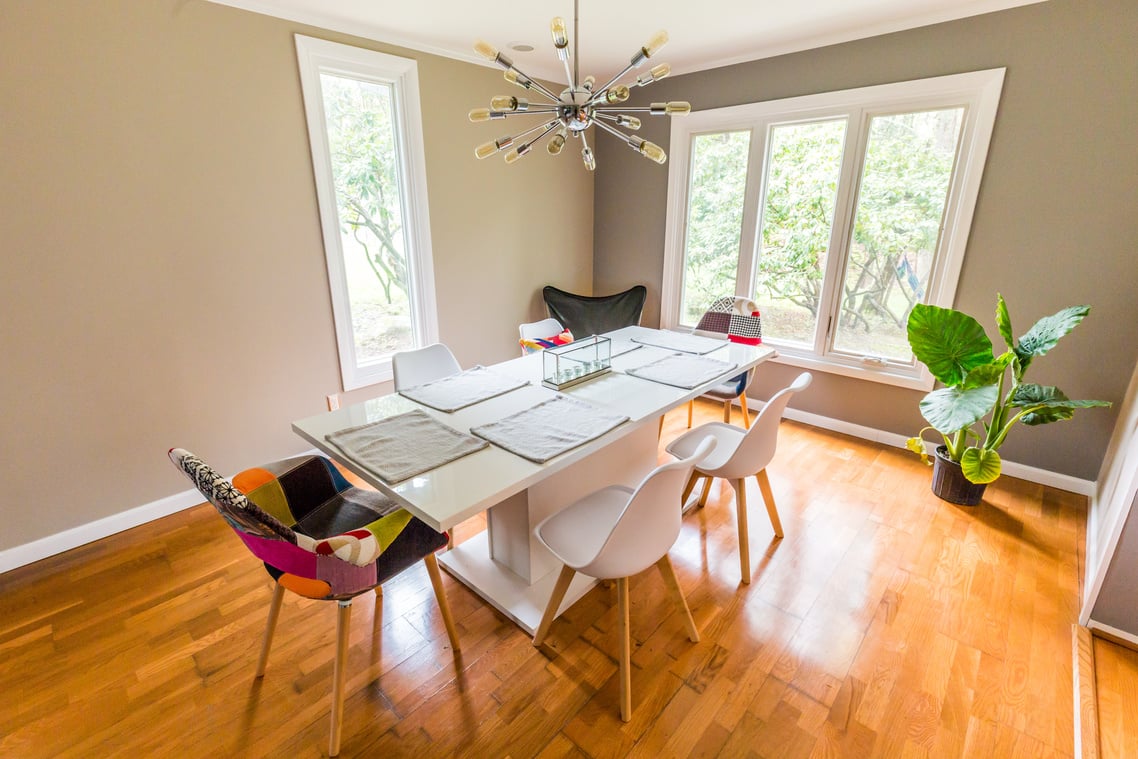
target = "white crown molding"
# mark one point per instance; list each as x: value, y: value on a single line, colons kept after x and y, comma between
x: 801, y: 44
x: 354, y: 28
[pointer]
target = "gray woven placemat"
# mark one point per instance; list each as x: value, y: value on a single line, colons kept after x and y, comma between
x: 550, y: 428
x: 405, y: 445
x: 675, y: 341
x: 680, y: 370
x: 463, y: 389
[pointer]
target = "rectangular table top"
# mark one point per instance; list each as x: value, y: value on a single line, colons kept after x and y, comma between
x: 454, y: 492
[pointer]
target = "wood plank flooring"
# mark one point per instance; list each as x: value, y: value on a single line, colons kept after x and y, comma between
x: 886, y: 623
x: 1116, y: 681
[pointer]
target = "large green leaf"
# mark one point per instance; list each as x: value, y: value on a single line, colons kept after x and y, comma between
x: 988, y: 374
x: 951, y: 408
x: 1045, y: 334
x: 948, y: 342
x: 1004, y: 321
x: 980, y: 465
x: 1049, y: 404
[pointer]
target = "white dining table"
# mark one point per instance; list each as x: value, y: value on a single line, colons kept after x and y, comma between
x: 506, y: 565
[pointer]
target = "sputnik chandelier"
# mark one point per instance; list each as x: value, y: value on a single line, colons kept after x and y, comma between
x: 579, y: 106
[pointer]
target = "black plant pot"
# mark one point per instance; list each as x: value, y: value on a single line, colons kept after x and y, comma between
x: 950, y: 484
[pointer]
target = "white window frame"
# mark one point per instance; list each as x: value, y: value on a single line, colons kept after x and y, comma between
x: 316, y: 57
x: 978, y: 92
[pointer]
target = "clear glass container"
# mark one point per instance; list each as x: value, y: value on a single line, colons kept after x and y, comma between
x: 580, y: 360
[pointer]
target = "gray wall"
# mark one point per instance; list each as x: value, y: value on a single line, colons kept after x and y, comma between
x: 162, y: 275
x: 1055, y: 223
x: 1115, y: 604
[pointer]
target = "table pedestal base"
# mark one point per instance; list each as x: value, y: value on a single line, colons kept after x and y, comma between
x: 508, y: 566
x: 470, y: 564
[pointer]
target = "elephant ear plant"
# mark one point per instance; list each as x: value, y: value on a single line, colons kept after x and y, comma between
x: 981, y: 401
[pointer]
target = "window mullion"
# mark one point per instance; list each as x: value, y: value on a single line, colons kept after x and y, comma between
x: 830, y: 302
x: 749, y: 234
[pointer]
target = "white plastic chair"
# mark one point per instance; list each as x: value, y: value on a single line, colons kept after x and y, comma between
x: 538, y: 330
x: 738, y: 455
x: 543, y: 328
x: 416, y: 367
x: 617, y: 532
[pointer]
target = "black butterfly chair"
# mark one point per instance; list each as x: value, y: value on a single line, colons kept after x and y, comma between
x: 584, y: 315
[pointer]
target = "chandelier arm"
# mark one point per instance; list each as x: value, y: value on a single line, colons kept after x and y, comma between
x: 548, y: 128
x: 627, y: 109
x: 627, y: 138
x: 569, y: 73
x: 537, y: 85
x: 599, y: 94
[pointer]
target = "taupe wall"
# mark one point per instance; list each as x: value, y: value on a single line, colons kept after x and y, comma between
x: 162, y: 275
x: 1055, y: 223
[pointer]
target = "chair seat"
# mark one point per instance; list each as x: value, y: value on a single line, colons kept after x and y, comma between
x: 727, y: 439
x: 724, y: 391
x: 577, y: 533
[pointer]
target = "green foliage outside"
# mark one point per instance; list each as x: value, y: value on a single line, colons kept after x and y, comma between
x: 361, y: 142
x: 900, y: 202
x: 715, y: 219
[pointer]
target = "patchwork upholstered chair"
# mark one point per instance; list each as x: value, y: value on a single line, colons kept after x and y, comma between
x: 321, y: 538
x: 738, y: 319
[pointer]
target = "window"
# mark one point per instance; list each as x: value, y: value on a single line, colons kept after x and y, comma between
x: 836, y: 212
x: 365, y: 130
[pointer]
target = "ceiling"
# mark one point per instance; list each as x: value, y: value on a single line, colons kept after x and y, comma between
x: 704, y: 33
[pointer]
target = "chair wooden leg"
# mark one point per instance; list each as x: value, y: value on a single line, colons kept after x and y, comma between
x: 625, y: 651
x: 441, y: 597
x: 339, y: 674
x: 746, y: 413
x: 706, y: 490
x: 689, y: 487
x: 559, y: 589
x: 673, y: 583
x: 727, y: 412
x: 768, y: 499
x: 691, y: 408
x: 274, y: 612
x: 744, y: 540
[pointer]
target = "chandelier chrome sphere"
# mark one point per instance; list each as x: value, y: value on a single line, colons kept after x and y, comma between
x: 579, y: 106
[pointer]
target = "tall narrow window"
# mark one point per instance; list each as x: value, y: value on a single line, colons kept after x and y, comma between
x: 842, y: 210
x: 798, y: 217
x: 715, y: 218
x: 366, y: 135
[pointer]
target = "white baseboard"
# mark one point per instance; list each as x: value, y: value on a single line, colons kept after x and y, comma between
x: 27, y: 553
x: 51, y: 545
x: 1010, y: 468
x: 1114, y: 632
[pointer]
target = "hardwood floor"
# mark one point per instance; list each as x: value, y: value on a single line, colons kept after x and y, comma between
x: 886, y: 623
x: 1116, y: 678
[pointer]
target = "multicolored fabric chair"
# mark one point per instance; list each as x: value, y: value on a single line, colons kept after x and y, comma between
x: 738, y: 318
x: 321, y: 538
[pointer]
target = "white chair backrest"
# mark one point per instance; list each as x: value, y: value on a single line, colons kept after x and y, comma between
x: 411, y: 368
x: 543, y: 328
x: 758, y: 446
x: 650, y: 523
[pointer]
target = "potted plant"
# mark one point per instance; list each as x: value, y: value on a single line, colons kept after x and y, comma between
x: 981, y: 401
